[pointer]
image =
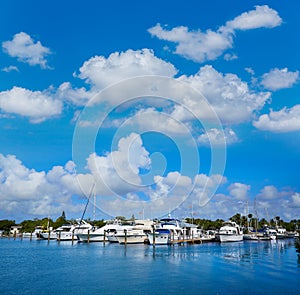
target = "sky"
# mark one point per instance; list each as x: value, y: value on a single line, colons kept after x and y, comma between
x: 149, y: 108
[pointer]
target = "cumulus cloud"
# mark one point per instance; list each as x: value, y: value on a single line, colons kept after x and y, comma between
x: 28, y: 191
x: 278, y: 202
x: 76, y: 96
x: 279, y: 78
x: 215, y: 136
x: 25, y: 49
x: 261, y: 17
x: 118, y: 171
x: 229, y: 96
x: 195, y: 45
x: 285, y: 120
x: 202, y: 46
x: 102, y: 72
x: 239, y: 191
x: 270, y: 192
x: 36, y: 105
x: 296, y: 199
x: 152, y: 120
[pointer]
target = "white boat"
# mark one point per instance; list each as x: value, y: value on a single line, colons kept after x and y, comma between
x: 271, y: 233
x: 34, y: 234
x: 167, y: 230
x: 281, y: 232
x: 69, y: 232
x: 136, y: 233
x: 65, y: 232
x: 161, y: 236
x: 230, y: 232
x: 99, y: 234
x: 47, y: 235
x: 131, y: 236
x: 250, y: 237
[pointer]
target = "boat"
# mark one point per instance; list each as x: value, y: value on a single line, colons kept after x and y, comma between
x: 230, y: 232
x: 170, y: 227
x: 100, y: 234
x: 47, y: 235
x: 292, y: 234
x: 65, y: 232
x: 281, y: 232
x: 34, y: 234
x: 160, y: 236
x: 137, y: 233
x: 250, y: 237
x: 271, y: 233
x: 132, y: 235
x: 69, y: 232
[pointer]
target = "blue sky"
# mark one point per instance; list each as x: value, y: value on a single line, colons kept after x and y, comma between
x: 187, y: 107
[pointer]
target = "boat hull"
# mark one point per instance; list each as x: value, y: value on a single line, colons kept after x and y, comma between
x: 223, y: 238
x: 160, y: 238
x: 131, y: 239
x: 91, y: 237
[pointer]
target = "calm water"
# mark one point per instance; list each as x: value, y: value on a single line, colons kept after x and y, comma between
x: 39, y: 267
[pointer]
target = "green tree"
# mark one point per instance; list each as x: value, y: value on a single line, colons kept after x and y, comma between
x: 236, y: 218
x: 60, y: 221
x: 6, y: 224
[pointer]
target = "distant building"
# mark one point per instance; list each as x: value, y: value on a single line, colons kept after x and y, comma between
x: 15, y: 230
x: 1, y: 233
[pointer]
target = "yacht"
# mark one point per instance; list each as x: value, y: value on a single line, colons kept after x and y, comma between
x: 69, y: 232
x: 132, y: 235
x: 99, y: 234
x: 230, y: 232
x: 167, y: 230
x: 281, y: 232
x: 161, y: 236
x: 135, y: 234
x: 34, y: 234
x: 47, y: 235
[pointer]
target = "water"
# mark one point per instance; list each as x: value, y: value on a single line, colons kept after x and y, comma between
x: 39, y: 267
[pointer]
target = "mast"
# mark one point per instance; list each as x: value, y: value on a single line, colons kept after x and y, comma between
x: 94, y: 208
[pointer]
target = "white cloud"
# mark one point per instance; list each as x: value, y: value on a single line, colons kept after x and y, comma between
x: 296, y: 199
x: 215, y: 136
x: 118, y: 171
x: 229, y: 56
x: 230, y: 97
x: 250, y: 71
x: 261, y: 17
x: 269, y: 192
x: 202, y: 46
x: 28, y: 191
x: 102, y: 72
x: 285, y: 120
x: 36, y: 105
x: 283, y: 203
x: 153, y: 120
x: 239, y: 191
x: 279, y: 78
x: 77, y: 96
x: 194, y: 45
x: 10, y: 69
x: 26, y: 50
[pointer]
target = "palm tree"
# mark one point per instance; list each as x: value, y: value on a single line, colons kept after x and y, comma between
x: 236, y: 218
x: 250, y: 219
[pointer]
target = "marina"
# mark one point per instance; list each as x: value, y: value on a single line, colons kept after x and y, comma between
x: 245, y: 267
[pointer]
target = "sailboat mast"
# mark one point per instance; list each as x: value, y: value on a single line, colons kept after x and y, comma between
x: 94, y: 208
